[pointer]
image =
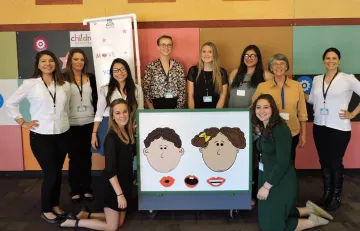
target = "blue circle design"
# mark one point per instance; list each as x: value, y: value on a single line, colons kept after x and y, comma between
x: 306, y: 83
x: 1, y: 100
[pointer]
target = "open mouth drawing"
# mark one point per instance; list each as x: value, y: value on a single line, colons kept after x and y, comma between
x: 216, y: 181
x: 191, y: 181
x: 167, y: 181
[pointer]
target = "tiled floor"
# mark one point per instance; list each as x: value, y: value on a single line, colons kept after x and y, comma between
x: 20, y: 209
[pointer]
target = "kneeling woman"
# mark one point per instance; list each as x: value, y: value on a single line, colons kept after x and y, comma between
x: 118, y: 172
x: 278, y: 184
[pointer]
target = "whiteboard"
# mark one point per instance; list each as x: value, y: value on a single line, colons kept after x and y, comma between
x: 215, y: 166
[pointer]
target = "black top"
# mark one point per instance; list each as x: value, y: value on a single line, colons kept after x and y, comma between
x: 204, y: 86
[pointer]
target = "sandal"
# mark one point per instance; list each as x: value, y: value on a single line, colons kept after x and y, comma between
x: 71, y: 217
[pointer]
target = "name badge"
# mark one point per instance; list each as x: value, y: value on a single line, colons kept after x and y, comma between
x: 240, y: 92
x: 324, y: 111
x: 284, y: 115
x: 169, y: 95
x: 207, y: 99
x: 261, y: 166
x: 81, y: 108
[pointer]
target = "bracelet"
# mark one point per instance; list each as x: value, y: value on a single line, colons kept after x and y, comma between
x: 119, y: 194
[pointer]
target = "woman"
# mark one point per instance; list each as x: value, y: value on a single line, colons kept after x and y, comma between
x: 83, y: 102
x: 278, y: 184
x: 207, y: 83
x: 117, y: 173
x: 243, y: 83
x: 244, y: 80
x: 164, y: 80
x: 289, y: 98
x: 121, y: 86
x: 48, y: 95
x: 330, y: 95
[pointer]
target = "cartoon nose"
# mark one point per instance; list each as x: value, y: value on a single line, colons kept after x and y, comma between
x: 218, y: 151
x: 162, y: 155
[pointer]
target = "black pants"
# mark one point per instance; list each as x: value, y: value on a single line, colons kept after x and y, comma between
x: 295, y: 142
x: 80, y: 159
x: 331, y: 145
x: 50, y: 152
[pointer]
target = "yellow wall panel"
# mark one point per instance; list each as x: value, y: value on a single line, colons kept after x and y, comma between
x: 8, y: 57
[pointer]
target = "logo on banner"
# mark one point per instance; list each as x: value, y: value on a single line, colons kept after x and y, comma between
x: 105, y: 55
x: 80, y: 39
x: 109, y: 23
x: 40, y: 43
x: 1, y: 100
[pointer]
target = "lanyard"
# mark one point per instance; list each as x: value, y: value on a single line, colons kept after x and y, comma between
x: 327, y: 89
x: 207, y: 83
x: 80, y: 88
x: 282, y: 94
x: 52, y: 96
x: 167, y: 76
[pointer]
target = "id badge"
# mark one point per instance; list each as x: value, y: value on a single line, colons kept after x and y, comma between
x: 324, y: 111
x: 81, y: 108
x: 240, y: 92
x: 284, y: 115
x: 207, y: 99
x: 261, y: 166
x: 168, y: 95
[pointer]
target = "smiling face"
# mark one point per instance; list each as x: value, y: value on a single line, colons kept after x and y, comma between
x: 119, y: 72
x: 165, y: 46
x: 279, y: 67
x: 162, y: 155
x: 263, y: 111
x: 207, y: 55
x: 250, y: 58
x: 220, y: 154
x: 77, y: 62
x: 46, y: 64
x: 121, y: 114
x: 331, y: 61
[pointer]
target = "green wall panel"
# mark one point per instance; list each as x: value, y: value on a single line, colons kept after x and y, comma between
x: 8, y: 57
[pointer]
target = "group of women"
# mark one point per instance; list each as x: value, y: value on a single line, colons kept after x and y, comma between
x: 69, y: 116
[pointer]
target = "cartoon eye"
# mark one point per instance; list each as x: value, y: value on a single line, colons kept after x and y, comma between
x: 161, y: 148
x: 165, y: 148
x: 217, y: 144
x: 222, y: 144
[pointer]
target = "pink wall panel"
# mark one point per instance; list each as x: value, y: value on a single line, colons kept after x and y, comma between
x: 185, y: 50
x: 11, y: 154
x: 307, y: 158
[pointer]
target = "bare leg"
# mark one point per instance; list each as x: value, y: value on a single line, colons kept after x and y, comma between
x: 304, y: 212
x: 122, y: 218
x: 84, y: 215
x: 57, y: 210
x: 111, y: 223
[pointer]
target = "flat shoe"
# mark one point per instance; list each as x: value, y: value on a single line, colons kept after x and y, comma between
x: 50, y: 221
x: 318, y: 211
x: 318, y: 221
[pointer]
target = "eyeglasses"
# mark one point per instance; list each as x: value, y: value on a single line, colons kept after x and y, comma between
x: 165, y: 45
x: 117, y: 70
x: 252, y: 56
x: 279, y: 65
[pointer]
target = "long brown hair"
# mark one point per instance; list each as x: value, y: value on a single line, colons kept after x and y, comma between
x: 58, y: 77
x: 69, y: 73
x: 216, y: 69
x: 274, y: 120
x: 128, y: 137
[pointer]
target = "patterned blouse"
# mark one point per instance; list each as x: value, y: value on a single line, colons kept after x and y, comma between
x: 156, y: 84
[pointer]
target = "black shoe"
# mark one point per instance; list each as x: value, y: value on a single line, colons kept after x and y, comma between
x: 335, y: 202
x: 89, y: 198
x: 76, y: 200
x: 328, y: 187
x: 50, y: 221
x: 62, y: 215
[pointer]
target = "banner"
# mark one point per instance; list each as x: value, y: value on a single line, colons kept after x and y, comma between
x: 111, y: 38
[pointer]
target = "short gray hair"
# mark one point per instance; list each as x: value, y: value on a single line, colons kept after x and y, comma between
x: 279, y: 57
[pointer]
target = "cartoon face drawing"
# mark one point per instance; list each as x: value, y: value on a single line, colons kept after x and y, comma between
x: 163, y: 149
x: 219, y: 147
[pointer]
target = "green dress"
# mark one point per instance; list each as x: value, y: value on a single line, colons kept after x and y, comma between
x: 278, y: 212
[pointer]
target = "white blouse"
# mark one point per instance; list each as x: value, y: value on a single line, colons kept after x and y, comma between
x: 78, y: 116
x: 338, y: 97
x: 42, y: 105
x: 104, y: 111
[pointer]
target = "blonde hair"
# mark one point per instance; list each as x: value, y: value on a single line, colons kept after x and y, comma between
x: 216, y: 69
x: 127, y: 138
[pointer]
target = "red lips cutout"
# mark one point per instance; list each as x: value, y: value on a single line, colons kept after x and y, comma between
x: 167, y: 181
x: 191, y: 181
x: 216, y: 181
